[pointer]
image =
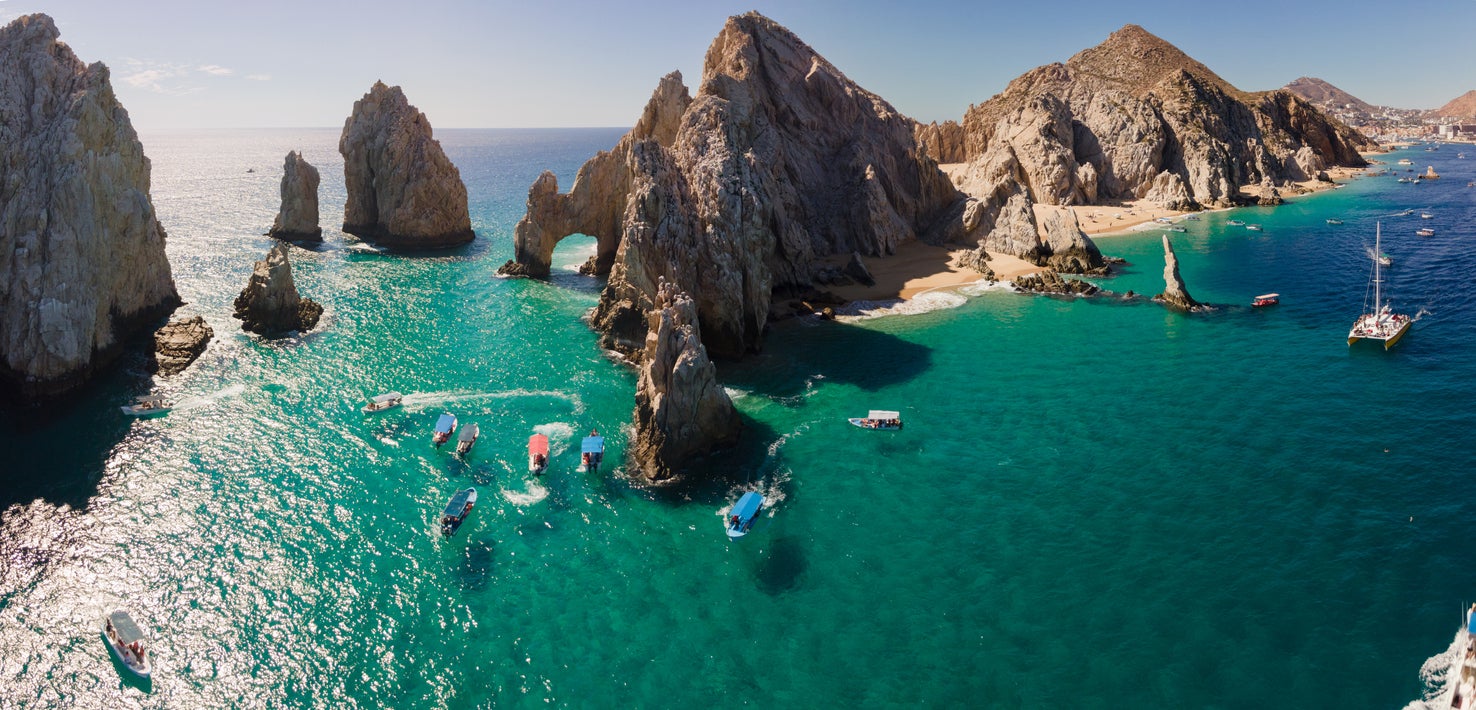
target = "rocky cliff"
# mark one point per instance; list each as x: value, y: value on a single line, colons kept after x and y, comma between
x: 403, y: 192
x: 82, y: 261
x: 297, y: 220
x: 1326, y: 96
x: 270, y: 304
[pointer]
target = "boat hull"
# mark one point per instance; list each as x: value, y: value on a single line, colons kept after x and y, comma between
x: 155, y: 412
x: 1388, y: 342
x: 371, y: 409
x: 862, y: 423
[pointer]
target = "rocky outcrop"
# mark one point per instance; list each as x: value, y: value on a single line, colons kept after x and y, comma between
x: 681, y: 410
x: 403, y: 192
x: 856, y: 269
x: 82, y: 262
x: 1174, y: 294
x: 270, y: 304
x: 943, y: 142
x: 297, y: 220
x: 1048, y: 281
x: 177, y: 344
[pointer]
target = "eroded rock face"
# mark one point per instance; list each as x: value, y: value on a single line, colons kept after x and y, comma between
x: 403, y: 192
x: 681, y: 410
x: 297, y: 220
x: 82, y: 261
x: 1048, y: 281
x: 1174, y: 294
x: 270, y: 304
x: 177, y: 344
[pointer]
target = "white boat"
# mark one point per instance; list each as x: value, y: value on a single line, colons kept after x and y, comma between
x: 1177, y: 229
x: 467, y: 438
x: 1462, y: 673
x: 1425, y: 232
x: 592, y: 451
x: 127, y: 642
x: 1254, y: 227
x: 444, y: 427
x: 537, y: 454
x: 1406, y: 161
x: 1164, y: 220
x: 1382, y: 324
x: 388, y: 400
x: 1335, y: 221
x: 1266, y: 299
x: 1405, y: 213
x: 456, y: 511
x: 146, y: 406
x: 1426, y: 215
x: 745, y: 511
x: 879, y: 419
x: 1236, y: 223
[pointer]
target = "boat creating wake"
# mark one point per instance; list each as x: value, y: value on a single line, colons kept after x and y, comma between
x: 419, y: 401
x: 209, y: 399
x: 1435, y: 674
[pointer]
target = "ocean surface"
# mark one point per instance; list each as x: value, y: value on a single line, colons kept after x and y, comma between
x: 1094, y: 504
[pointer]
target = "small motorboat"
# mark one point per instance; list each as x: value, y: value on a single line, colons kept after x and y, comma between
x: 592, y: 451
x: 1164, y: 220
x: 1255, y: 227
x: 1426, y: 215
x: 388, y: 400
x: 1425, y: 232
x: 879, y: 419
x: 1266, y: 299
x: 537, y: 454
x: 745, y: 511
x: 444, y: 427
x: 456, y: 511
x: 1177, y: 229
x: 1405, y: 213
x: 1192, y: 218
x: 467, y: 438
x: 127, y: 643
x: 1335, y: 221
x: 1236, y: 223
x: 1385, y: 260
x: 146, y: 406
x: 1405, y: 179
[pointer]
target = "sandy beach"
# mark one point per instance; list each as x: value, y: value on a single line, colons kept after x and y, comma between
x: 917, y: 268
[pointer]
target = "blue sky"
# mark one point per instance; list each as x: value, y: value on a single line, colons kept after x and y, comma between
x: 184, y: 64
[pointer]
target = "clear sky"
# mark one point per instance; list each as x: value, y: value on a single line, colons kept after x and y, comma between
x: 490, y: 63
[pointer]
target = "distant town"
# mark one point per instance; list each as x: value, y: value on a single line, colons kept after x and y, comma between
x: 1455, y: 121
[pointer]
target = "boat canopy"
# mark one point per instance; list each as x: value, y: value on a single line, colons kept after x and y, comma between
x: 458, y: 502
x: 469, y: 432
x: 1471, y: 624
x: 388, y: 397
x: 446, y: 423
x: 538, y: 444
x: 883, y: 414
x: 150, y: 399
x: 1268, y: 295
x: 748, y: 506
x: 593, y: 445
x: 123, y: 625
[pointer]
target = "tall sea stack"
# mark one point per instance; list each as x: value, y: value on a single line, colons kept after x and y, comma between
x: 82, y: 261
x: 403, y: 192
x: 297, y: 220
x: 270, y: 304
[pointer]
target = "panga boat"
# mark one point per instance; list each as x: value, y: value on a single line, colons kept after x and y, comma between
x: 1406, y: 161
x: 1335, y: 221
x: 744, y: 512
x: 467, y: 438
x: 1385, y: 260
x: 1462, y: 675
x: 1425, y: 232
x: 388, y: 400
x: 1254, y: 227
x: 1236, y: 223
x: 879, y: 419
x: 1266, y: 299
x: 537, y: 454
x: 592, y: 451
x: 444, y: 426
x: 1383, y: 324
x: 146, y: 406
x: 456, y: 511
x: 127, y: 643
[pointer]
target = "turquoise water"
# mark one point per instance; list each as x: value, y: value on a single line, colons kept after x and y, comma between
x: 1095, y: 503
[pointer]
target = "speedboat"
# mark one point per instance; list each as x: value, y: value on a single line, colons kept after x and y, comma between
x: 1266, y: 299
x: 146, y: 406
x: 1335, y: 221
x: 537, y: 454
x: 744, y: 512
x: 1385, y: 260
x: 127, y: 643
x: 879, y: 419
x: 388, y: 400
x: 1254, y: 227
x: 444, y: 426
x: 1426, y: 215
x: 1380, y: 322
x: 1462, y: 674
x: 467, y: 438
x: 456, y: 511
x: 1236, y: 223
x: 1405, y: 213
x: 1425, y: 232
x: 592, y: 451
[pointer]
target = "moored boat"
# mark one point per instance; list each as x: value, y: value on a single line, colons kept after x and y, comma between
x: 879, y: 419
x: 146, y: 406
x: 1380, y: 323
x: 592, y: 451
x: 388, y: 400
x: 1426, y: 215
x: 127, y: 643
x: 456, y: 511
x: 1406, y: 161
x: 1335, y: 221
x: 1266, y: 299
x: 1236, y: 223
x: 1192, y: 218
x: 744, y: 512
x: 444, y: 427
x: 1405, y: 213
x: 1385, y: 260
x: 537, y: 454
x: 467, y: 438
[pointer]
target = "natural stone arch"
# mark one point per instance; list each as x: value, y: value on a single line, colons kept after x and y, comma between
x: 593, y: 207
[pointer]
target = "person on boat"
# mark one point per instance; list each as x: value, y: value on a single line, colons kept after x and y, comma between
x: 735, y: 522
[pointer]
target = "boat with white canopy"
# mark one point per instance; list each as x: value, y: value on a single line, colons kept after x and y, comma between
x: 744, y: 512
x: 388, y: 400
x: 1379, y: 323
x: 592, y: 451
x: 537, y: 454
x: 444, y: 427
x: 879, y: 419
x: 467, y: 438
x: 127, y: 642
x: 146, y: 406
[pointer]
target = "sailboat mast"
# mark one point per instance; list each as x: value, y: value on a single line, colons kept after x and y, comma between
x: 1378, y: 296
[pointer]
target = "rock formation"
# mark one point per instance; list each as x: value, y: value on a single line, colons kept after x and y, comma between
x: 177, y: 344
x: 943, y: 142
x: 297, y: 220
x: 1048, y: 281
x: 403, y: 192
x: 681, y: 410
x: 82, y: 262
x: 1174, y: 294
x: 270, y: 303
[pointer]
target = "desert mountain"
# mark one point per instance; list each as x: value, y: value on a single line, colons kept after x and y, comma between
x: 1328, y: 97
x: 1463, y: 106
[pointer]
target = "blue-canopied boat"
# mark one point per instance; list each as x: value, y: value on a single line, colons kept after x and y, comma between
x: 456, y: 511
x: 744, y: 512
x: 127, y: 642
x: 592, y: 451
x: 444, y: 427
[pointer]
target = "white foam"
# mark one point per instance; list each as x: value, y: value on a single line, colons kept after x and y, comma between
x: 207, y: 400
x: 559, y: 435
x: 526, y: 498
x: 1435, y: 673
x: 922, y: 303
x: 417, y: 401
x: 982, y: 287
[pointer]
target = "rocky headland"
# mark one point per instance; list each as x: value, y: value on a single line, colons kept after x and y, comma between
x: 297, y: 219
x: 178, y: 344
x: 82, y: 262
x: 403, y: 192
x: 270, y: 304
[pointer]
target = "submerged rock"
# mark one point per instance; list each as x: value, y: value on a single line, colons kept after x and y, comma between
x: 297, y: 220
x: 177, y: 344
x: 270, y: 304
x: 403, y: 192
x: 1174, y: 294
x: 81, y: 249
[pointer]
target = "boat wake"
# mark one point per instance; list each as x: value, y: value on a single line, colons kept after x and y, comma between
x: 1435, y: 674
x: 536, y: 492
x: 209, y: 399
x: 559, y: 435
x: 1418, y: 315
x: 419, y: 401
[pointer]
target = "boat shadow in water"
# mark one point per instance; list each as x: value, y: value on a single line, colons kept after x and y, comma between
x: 476, y: 564
x: 782, y: 566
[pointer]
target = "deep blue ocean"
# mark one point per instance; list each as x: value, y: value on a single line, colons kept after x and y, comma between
x: 1095, y: 503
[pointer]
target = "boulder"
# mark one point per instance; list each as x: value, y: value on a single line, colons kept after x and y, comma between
x: 403, y: 192
x: 297, y: 219
x: 1047, y: 281
x: 178, y: 343
x: 81, y: 249
x: 270, y: 304
x: 1174, y: 294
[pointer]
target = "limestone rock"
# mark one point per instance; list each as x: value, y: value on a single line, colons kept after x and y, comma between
x: 856, y: 269
x: 1270, y: 196
x: 681, y: 410
x: 403, y: 192
x: 1071, y: 251
x: 1047, y: 281
x: 297, y: 220
x: 177, y: 344
x: 1174, y: 294
x: 270, y: 304
x: 82, y: 261
x: 943, y: 142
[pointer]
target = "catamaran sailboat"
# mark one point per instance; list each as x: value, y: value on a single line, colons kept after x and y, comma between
x: 1383, y: 324
x: 537, y: 454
